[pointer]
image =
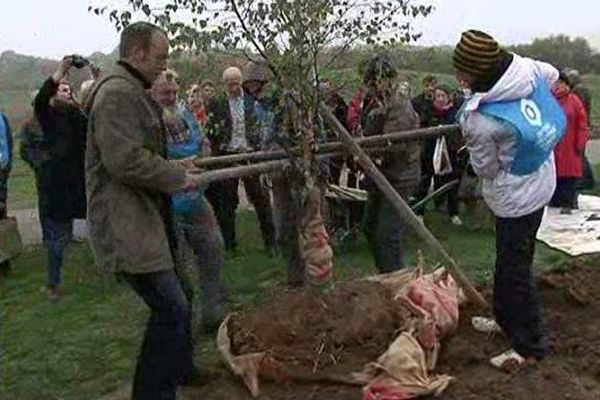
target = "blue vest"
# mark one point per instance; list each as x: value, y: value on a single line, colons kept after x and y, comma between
x: 5, y: 144
x: 540, y: 124
x: 187, y: 202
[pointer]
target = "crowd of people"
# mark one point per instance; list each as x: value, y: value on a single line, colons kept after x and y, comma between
x: 123, y: 153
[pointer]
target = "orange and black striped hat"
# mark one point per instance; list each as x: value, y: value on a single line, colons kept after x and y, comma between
x: 477, y: 53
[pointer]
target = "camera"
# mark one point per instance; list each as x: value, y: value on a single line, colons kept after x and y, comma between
x: 79, y: 61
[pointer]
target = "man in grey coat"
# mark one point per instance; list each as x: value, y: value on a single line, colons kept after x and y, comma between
x: 129, y: 181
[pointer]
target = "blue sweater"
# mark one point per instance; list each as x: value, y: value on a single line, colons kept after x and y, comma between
x: 190, y: 201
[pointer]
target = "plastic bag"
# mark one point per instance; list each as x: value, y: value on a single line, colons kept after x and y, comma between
x: 441, y: 158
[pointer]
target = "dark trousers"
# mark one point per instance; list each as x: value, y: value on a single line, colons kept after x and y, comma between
x: 565, y: 194
x: 259, y: 197
x: 587, y: 181
x: 427, y: 173
x: 451, y: 196
x: 223, y: 196
x: 383, y: 230
x: 166, y: 356
x: 517, y: 305
x: 427, y: 150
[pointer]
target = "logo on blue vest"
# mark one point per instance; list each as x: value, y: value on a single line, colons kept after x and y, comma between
x: 539, y: 123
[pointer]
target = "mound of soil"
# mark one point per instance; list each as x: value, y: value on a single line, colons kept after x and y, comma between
x: 342, y: 329
x: 572, y: 309
x: 356, y: 324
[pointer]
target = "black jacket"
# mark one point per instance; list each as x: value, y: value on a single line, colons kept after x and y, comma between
x: 219, y: 124
x: 62, y: 175
x: 423, y: 105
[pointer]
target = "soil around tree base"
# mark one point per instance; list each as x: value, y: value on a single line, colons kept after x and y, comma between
x: 572, y: 308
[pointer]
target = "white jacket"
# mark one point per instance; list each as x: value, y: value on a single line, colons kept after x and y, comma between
x: 492, y: 144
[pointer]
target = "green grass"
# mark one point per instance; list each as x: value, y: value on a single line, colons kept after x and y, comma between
x: 85, y: 346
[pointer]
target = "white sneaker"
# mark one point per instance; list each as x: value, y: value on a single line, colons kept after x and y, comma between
x: 456, y: 220
x: 508, y: 360
x: 485, y: 325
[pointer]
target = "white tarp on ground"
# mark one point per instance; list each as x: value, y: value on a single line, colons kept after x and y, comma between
x: 576, y: 233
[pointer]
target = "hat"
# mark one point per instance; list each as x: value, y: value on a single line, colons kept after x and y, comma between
x: 573, y: 76
x: 256, y: 71
x: 477, y: 53
x: 564, y: 77
x: 379, y: 68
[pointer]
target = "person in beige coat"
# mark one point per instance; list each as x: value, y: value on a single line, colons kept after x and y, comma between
x: 129, y: 182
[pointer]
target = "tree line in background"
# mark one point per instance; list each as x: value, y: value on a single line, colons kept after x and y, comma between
x: 19, y: 72
x: 26, y: 73
x: 560, y: 50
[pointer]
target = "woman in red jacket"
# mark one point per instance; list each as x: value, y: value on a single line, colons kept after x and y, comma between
x: 569, y: 153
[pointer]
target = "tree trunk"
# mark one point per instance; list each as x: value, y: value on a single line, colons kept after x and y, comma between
x: 315, y: 248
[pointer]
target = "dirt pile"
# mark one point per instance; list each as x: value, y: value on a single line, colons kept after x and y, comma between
x: 345, y: 329
x: 571, y: 299
x: 341, y: 329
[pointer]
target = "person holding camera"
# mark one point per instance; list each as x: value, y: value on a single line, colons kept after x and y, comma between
x: 62, y: 172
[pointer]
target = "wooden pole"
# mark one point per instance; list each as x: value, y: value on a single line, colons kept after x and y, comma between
x: 405, y: 211
x: 330, y: 147
x: 206, y: 177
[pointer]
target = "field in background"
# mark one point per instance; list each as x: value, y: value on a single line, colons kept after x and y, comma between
x: 16, y: 103
x: 593, y: 83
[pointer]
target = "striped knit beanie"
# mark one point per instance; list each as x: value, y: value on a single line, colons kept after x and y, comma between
x: 477, y: 53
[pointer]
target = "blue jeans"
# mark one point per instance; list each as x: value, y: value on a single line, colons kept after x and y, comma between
x: 202, y: 233
x: 166, y: 357
x: 57, y: 236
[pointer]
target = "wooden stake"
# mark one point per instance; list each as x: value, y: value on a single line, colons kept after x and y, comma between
x: 406, y: 213
x: 205, y: 177
x: 330, y: 147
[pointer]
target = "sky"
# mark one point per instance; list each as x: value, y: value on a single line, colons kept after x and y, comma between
x: 59, y: 27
